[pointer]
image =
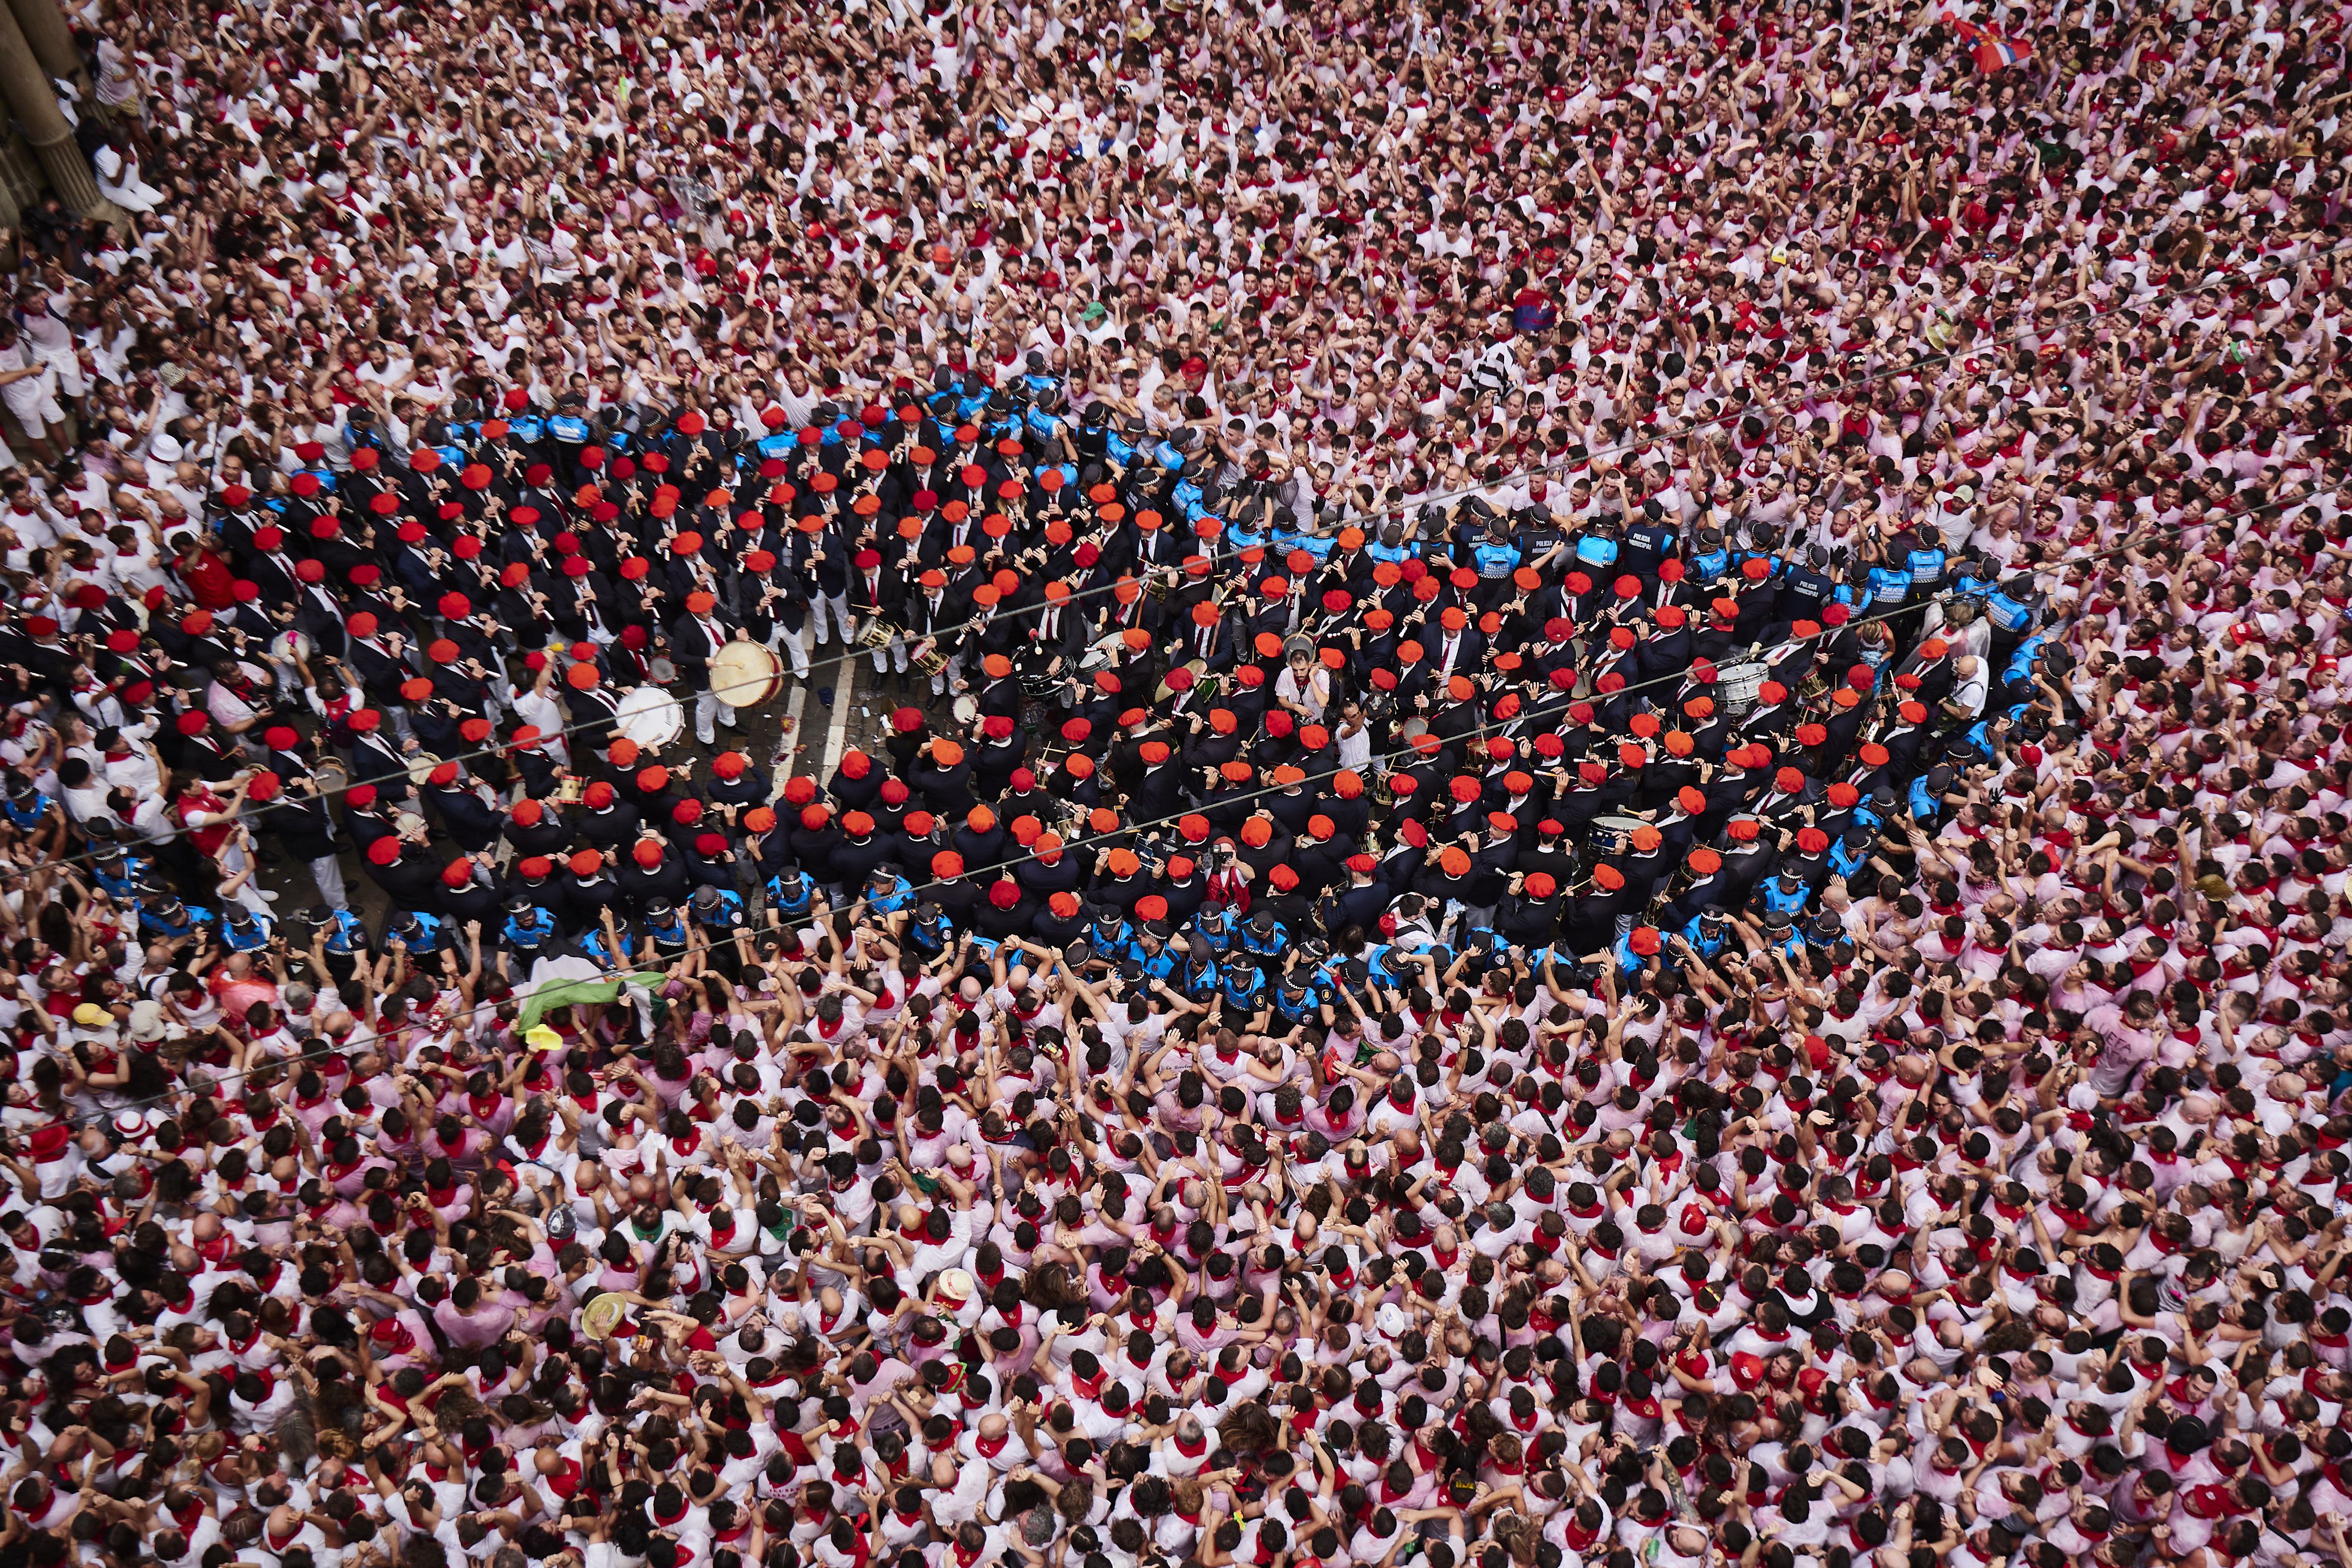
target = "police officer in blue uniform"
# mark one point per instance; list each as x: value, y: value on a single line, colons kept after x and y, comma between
x: 1390, y: 968
x: 1596, y: 549
x: 1295, y: 1002
x: 1120, y: 445
x: 1853, y: 849
x: 1780, y: 931
x: 117, y: 873
x: 1151, y: 952
x: 1493, y: 557
x: 1289, y: 535
x: 887, y: 892
x: 1784, y: 892
x: 1929, y: 807
x: 529, y: 932
x: 1709, y: 561
x: 1242, y: 987
x: 595, y: 945
x: 791, y: 895
x: 27, y: 807
x: 1388, y: 545
x: 420, y: 933
x: 1215, y: 924
x: 665, y: 930
x: 1707, y: 933
x: 2012, y: 606
x: 1109, y: 936
x: 927, y: 932
x: 1806, y: 588
x: 340, y: 936
x: 1919, y: 555
x: 243, y: 931
x: 2017, y: 674
x: 1969, y: 578
x: 1823, y: 932
x: 1263, y: 940
x: 1196, y: 977
x: 718, y: 915
x: 161, y: 914
x: 1649, y: 541
x: 1886, y: 580
x: 1923, y: 559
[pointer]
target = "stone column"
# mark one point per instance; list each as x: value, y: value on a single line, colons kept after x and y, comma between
x: 44, y: 27
x: 34, y: 102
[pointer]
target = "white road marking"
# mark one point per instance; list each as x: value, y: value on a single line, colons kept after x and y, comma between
x: 845, y: 694
x: 789, y: 737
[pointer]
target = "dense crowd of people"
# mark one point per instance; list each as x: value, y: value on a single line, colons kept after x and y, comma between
x: 1612, y: 833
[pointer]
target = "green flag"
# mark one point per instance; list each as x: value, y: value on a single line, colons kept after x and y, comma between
x: 563, y: 993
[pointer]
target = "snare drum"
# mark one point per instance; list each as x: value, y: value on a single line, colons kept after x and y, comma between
x: 1739, y: 684
x: 1611, y: 835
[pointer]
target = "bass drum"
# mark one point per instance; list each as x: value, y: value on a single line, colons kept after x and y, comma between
x: 746, y: 676
x: 648, y: 715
